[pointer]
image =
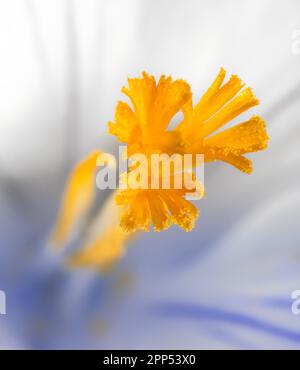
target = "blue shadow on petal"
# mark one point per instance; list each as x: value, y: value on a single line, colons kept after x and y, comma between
x: 201, y: 312
x: 279, y: 303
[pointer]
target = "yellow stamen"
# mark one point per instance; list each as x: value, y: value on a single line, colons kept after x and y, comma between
x: 79, y: 194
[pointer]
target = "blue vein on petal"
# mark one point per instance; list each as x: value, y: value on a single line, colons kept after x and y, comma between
x: 192, y: 311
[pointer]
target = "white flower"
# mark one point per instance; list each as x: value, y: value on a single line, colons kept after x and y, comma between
x: 227, y: 284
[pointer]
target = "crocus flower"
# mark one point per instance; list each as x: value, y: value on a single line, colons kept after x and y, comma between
x: 226, y: 284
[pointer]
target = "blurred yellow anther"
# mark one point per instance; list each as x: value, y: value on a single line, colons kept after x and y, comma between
x: 105, y: 241
x: 78, y: 197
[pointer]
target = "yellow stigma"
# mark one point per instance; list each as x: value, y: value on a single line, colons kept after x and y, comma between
x: 144, y: 128
x: 144, y: 125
